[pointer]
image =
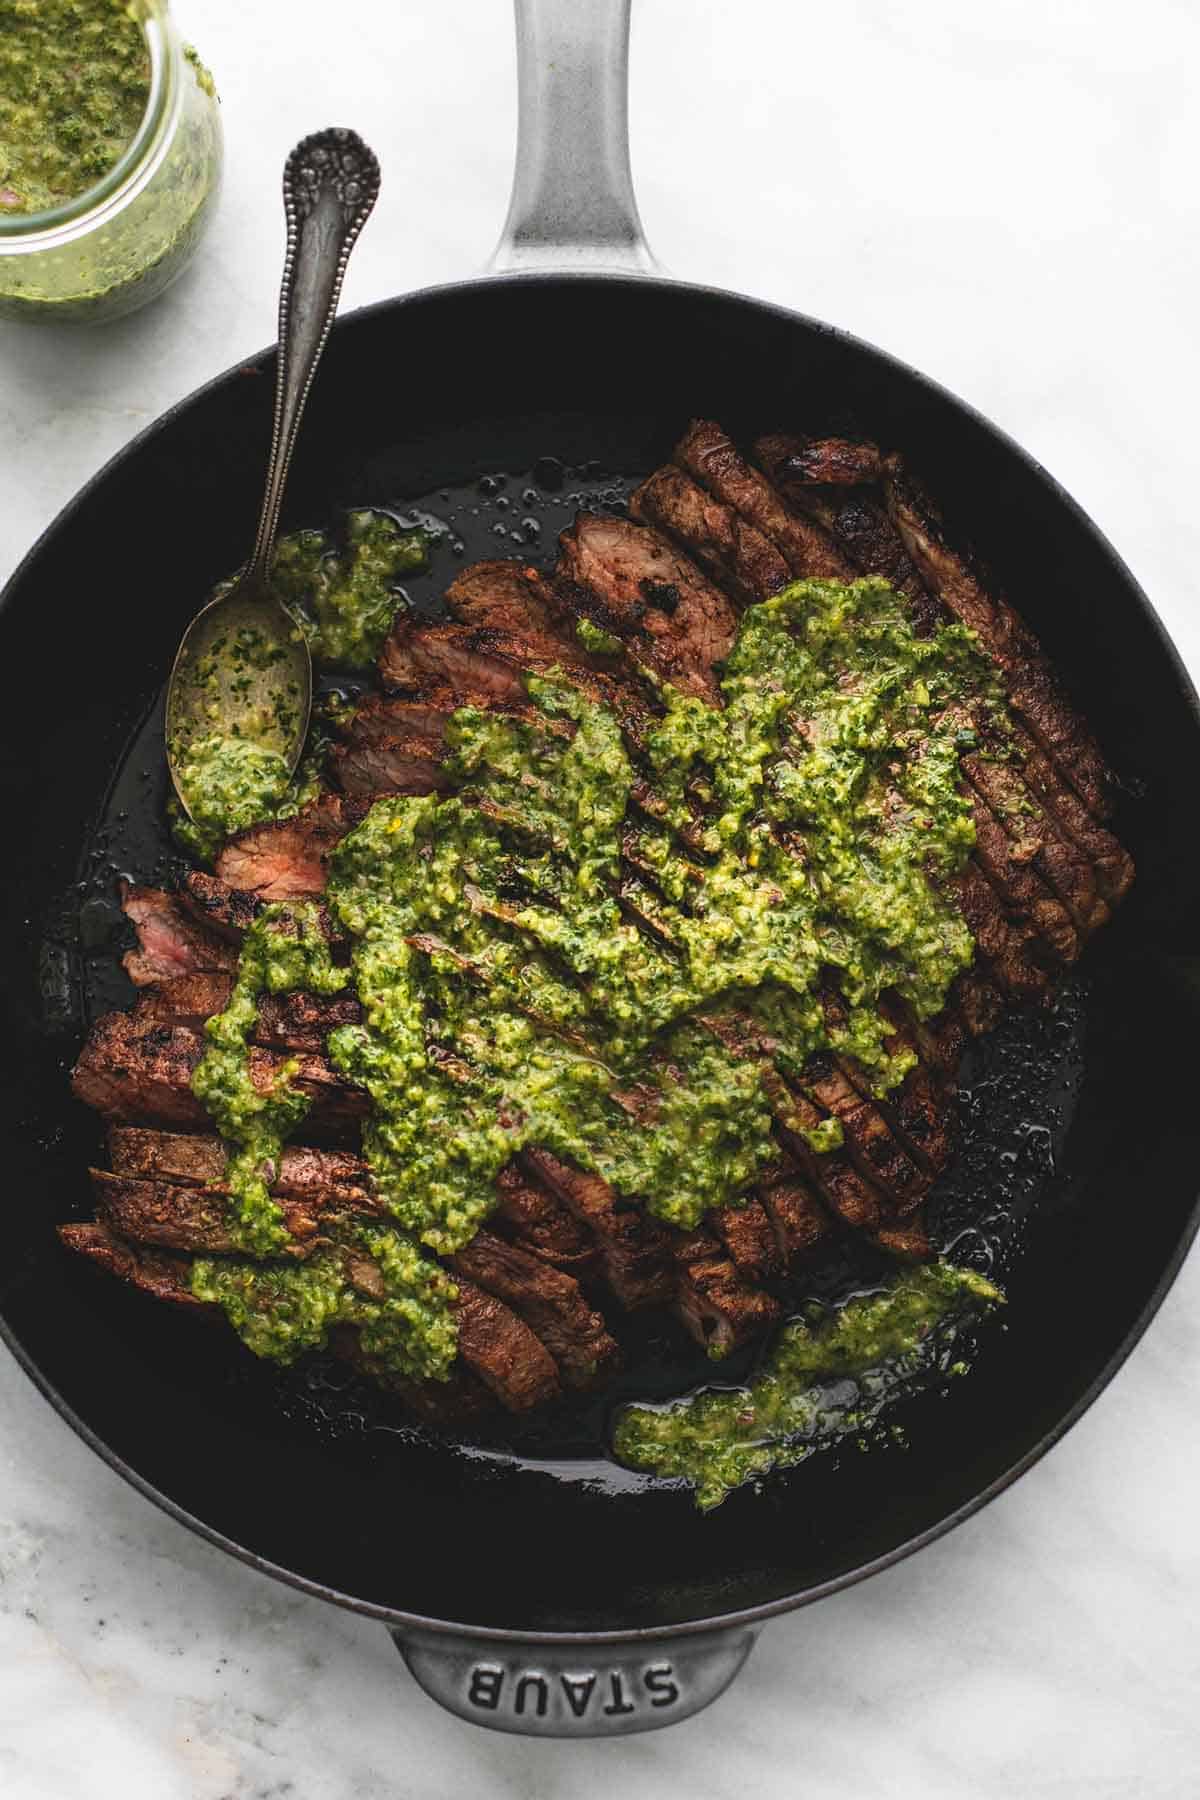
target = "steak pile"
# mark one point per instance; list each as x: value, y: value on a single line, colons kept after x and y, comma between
x: 562, y: 1254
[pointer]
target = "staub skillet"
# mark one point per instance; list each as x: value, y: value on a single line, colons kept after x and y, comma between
x: 520, y: 1599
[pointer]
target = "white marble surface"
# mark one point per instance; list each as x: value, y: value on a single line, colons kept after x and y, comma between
x: 1007, y: 196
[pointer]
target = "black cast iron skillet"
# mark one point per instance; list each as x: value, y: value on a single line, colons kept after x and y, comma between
x: 522, y: 1599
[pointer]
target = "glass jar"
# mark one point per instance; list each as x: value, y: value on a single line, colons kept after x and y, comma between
x: 113, y: 248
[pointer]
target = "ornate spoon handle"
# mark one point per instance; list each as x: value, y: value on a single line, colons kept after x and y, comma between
x: 330, y: 184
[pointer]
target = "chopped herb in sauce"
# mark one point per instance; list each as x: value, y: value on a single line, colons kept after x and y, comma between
x: 74, y: 82
x: 345, y: 600
x: 823, y: 1384
x: 370, y: 1277
x: 230, y: 783
x: 285, y: 949
x: 367, y: 1275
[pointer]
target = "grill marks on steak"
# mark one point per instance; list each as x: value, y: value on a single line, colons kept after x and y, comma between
x: 1077, y: 853
x: 733, y: 551
x: 871, y: 1133
x: 651, y: 596
x: 516, y: 600
x: 549, y: 1301
x: 136, y: 1074
x: 314, y: 1177
x: 1026, y: 872
x: 194, y: 1216
x: 161, y: 1276
x: 297, y: 1021
x: 476, y: 665
x: 633, y: 1247
x: 710, y: 457
x: 1032, y: 685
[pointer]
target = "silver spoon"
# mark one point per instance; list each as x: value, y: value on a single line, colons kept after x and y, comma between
x: 243, y: 670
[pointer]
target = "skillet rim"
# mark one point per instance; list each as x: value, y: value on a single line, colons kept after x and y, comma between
x: 404, y: 1622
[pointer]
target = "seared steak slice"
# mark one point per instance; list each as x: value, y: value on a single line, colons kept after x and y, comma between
x: 169, y: 942
x: 669, y: 612
x: 460, y: 663
x: 1112, y: 863
x: 795, y: 462
x: 533, y: 1217
x: 315, y: 1177
x: 390, y: 765
x: 380, y: 717
x: 227, y: 911
x: 141, y: 1076
x: 493, y: 1343
x: 1040, y: 843
x: 550, y: 1303
x: 512, y: 598
x: 459, y: 1400
x: 733, y: 552
x: 710, y: 458
x: 719, y: 1309
x: 297, y: 1021
x: 1032, y: 685
x: 853, y: 516
x: 1063, y: 861
x: 184, y: 1000
x: 750, y: 1239
x: 196, y: 1218
x: 502, y: 1350
x: 798, y: 1219
x: 162, y: 1277
x: 633, y: 1247
x: 287, y: 859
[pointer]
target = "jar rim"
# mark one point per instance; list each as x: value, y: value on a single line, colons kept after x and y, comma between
x: 132, y: 169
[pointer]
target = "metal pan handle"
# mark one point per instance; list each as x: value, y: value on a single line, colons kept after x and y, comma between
x: 572, y: 203
x: 556, y: 1690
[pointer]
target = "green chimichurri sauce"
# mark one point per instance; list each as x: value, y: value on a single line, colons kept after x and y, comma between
x: 402, y: 1303
x: 74, y: 82
x: 230, y: 783
x: 284, y: 949
x: 404, y: 1317
x: 236, y: 790
x: 345, y: 600
x: 507, y: 998
x: 823, y: 1384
